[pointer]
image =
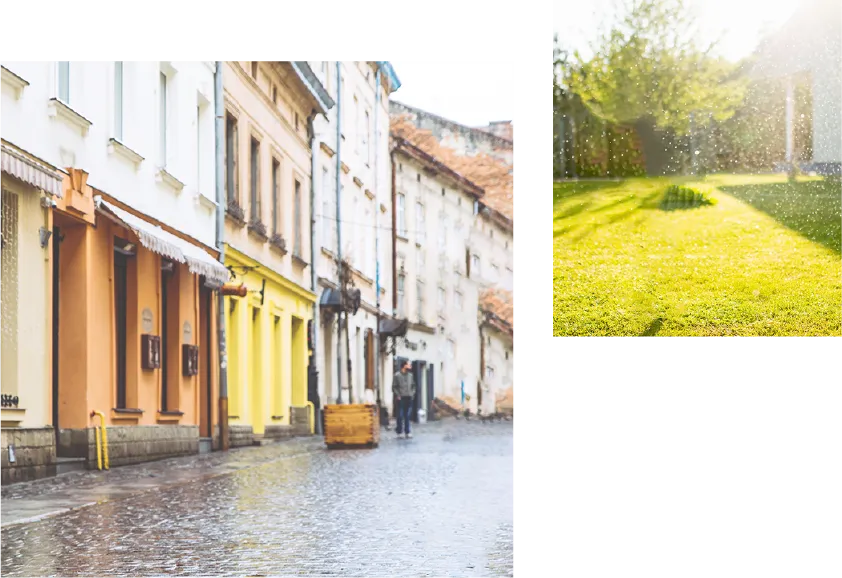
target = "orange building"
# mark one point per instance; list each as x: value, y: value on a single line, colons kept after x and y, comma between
x: 134, y: 330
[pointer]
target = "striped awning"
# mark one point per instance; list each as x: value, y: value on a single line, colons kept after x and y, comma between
x: 164, y: 243
x: 30, y: 171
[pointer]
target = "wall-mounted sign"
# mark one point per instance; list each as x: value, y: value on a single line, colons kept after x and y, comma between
x: 150, y: 351
x: 187, y: 333
x: 190, y: 359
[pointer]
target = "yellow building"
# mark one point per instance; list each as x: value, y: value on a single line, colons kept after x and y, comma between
x: 269, y: 107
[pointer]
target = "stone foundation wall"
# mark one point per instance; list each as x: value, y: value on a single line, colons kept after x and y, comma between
x: 299, y: 418
x: 240, y: 435
x: 131, y: 444
x: 35, y: 454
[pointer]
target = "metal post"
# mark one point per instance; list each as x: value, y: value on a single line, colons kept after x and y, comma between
x: 339, y: 228
x: 790, y: 119
x: 377, y: 239
x: 314, y: 147
x: 219, y: 106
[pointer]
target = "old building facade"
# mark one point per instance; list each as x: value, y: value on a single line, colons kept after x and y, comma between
x: 127, y: 250
x: 269, y: 111
x: 454, y: 265
x: 353, y: 200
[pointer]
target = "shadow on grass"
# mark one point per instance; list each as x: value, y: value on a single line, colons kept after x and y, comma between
x: 812, y: 208
x: 623, y: 208
x: 653, y: 328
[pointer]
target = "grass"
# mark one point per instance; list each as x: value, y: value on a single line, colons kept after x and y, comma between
x: 763, y: 260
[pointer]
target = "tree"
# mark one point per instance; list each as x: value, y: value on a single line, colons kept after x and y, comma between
x: 649, y: 65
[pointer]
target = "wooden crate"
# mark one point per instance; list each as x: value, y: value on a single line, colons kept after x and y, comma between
x: 352, y: 425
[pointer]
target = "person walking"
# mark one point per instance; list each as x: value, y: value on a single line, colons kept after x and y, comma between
x: 403, y: 386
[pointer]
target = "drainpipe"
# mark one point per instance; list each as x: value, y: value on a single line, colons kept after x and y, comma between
x: 394, y: 241
x: 314, y: 146
x: 219, y: 105
x: 339, y: 229
x: 377, y: 238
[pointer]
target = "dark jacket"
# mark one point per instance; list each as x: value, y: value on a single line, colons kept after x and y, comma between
x: 403, y: 384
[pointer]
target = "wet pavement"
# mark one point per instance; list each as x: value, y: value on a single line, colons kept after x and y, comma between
x: 440, y: 504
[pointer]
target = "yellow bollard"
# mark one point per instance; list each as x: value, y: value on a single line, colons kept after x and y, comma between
x: 312, y: 415
x: 98, y: 438
x: 101, y: 442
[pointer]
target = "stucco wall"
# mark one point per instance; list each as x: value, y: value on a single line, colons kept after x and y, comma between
x: 28, y: 124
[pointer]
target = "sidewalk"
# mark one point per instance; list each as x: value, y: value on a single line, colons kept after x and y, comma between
x: 31, y: 501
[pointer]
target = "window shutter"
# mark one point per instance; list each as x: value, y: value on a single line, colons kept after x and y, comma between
x: 236, y: 164
x: 369, y: 359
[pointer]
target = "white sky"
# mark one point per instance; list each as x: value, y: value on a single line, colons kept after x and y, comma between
x: 741, y: 21
x: 471, y: 93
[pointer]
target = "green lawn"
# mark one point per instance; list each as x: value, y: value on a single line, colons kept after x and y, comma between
x: 765, y: 260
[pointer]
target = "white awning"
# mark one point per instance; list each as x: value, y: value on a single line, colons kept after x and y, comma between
x: 30, y: 171
x: 164, y: 243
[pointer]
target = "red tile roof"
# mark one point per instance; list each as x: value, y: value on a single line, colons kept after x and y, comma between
x: 500, y: 303
x: 492, y: 174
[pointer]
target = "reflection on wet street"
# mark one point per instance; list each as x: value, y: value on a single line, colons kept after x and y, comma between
x: 439, y: 504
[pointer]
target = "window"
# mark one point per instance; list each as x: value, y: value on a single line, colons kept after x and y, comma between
x: 401, y: 215
x: 296, y: 247
x: 328, y: 210
x: 442, y: 191
x: 441, y: 298
x: 274, y: 94
x: 475, y: 263
x: 118, y: 101
x: 10, y: 291
x: 356, y: 124
x: 366, y: 148
x: 418, y: 177
x: 162, y: 119
x: 442, y: 233
x: 254, y: 160
x: 199, y: 147
x: 507, y: 356
x: 419, y: 294
x: 254, y: 70
x: 296, y: 122
x: 64, y: 82
x: 400, y: 167
x: 476, y: 208
x: 276, y: 194
x: 231, y: 160
x: 419, y: 262
x: 419, y: 222
x: 489, y: 373
x: 457, y: 296
x: 401, y: 280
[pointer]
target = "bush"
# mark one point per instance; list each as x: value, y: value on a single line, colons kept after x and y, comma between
x: 679, y: 197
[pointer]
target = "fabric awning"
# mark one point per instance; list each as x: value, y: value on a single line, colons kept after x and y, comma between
x: 393, y: 327
x: 31, y: 171
x: 164, y: 243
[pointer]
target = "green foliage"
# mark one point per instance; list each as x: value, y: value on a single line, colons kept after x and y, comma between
x: 648, y: 65
x: 677, y: 197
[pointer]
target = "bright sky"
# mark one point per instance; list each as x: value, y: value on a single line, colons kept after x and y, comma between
x: 470, y: 93
x: 741, y: 21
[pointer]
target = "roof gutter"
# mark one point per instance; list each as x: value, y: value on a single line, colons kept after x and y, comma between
x: 388, y: 71
x: 309, y: 79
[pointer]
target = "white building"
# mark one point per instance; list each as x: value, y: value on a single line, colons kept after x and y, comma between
x: 454, y: 257
x: 360, y: 155
x: 438, y: 277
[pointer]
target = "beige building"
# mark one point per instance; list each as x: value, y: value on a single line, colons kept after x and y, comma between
x: 269, y: 111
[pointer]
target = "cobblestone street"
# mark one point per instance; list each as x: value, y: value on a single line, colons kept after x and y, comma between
x: 439, y: 504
